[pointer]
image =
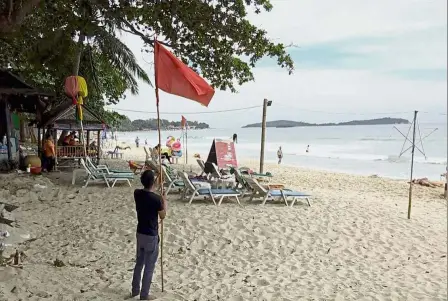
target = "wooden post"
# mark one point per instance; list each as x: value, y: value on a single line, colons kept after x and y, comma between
x: 98, y: 147
x: 88, y: 139
x: 38, y: 142
x: 8, y: 128
x: 263, y: 134
x: 42, y: 141
x: 55, y: 142
x: 412, y: 166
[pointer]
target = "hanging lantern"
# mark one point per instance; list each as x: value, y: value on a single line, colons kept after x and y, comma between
x: 71, y: 88
x: 82, y: 89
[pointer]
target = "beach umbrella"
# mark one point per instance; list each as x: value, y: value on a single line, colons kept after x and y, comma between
x: 174, y: 77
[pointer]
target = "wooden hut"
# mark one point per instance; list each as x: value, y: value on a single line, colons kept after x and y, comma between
x: 63, y: 119
x: 17, y: 97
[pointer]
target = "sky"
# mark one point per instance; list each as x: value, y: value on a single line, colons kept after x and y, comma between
x: 354, y: 59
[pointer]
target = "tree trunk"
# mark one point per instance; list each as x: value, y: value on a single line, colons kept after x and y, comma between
x: 78, y: 55
x: 11, y: 19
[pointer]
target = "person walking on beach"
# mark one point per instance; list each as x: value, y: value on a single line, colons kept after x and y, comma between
x: 150, y: 207
x: 235, y: 138
x: 137, y: 141
x: 308, y: 149
x: 146, y: 141
x: 279, y: 155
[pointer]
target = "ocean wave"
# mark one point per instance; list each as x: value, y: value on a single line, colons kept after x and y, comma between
x: 371, y: 157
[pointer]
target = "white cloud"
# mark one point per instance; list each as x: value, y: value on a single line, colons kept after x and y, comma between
x: 330, y: 92
x: 312, y: 21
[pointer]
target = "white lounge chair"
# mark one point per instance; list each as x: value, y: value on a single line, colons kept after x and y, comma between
x: 201, y: 164
x: 272, y: 194
x: 105, y: 168
x: 201, y: 191
x: 96, y: 176
x: 177, y: 182
x: 170, y: 182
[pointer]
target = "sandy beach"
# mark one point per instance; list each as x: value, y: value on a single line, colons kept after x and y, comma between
x: 354, y: 242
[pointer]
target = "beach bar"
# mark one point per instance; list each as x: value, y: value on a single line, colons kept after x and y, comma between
x: 16, y: 97
x: 61, y: 121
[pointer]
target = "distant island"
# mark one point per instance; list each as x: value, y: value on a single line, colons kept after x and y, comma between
x: 126, y: 125
x: 290, y: 124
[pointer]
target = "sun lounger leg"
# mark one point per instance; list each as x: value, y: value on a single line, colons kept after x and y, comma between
x: 192, y: 197
x: 169, y: 187
x: 293, y: 201
x: 308, y: 200
x: 129, y: 183
x: 265, y: 199
x: 87, y: 181
x: 238, y: 200
x: 220, y: 200
x: 213, y: 199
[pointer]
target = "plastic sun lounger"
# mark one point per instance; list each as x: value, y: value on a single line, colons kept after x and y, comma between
x: 272, y: 194
x: 96, y: 176
x: 104, y: 168
x: 201, y: 164
x: 201, y: 191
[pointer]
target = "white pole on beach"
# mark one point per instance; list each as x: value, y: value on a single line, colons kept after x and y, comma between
x: 412, y: 165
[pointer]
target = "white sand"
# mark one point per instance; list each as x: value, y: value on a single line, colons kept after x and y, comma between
x: 353, y: 243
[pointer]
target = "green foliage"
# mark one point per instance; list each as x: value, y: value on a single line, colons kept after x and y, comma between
x: 39, y: 41
x: 212, y: 36
x: 151, y: 124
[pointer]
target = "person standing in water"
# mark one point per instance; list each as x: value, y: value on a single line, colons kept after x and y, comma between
x: 279, y: 155
x: 308, y: 149
x: 235, y: 138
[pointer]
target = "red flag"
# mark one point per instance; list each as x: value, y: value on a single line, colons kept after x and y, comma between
x: 183, y: 122
x: 174, y: 77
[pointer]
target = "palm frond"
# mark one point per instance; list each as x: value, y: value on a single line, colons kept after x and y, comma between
x: 120, y: 55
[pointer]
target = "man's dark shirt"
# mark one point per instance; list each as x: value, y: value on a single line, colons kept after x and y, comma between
x: 148, y: 204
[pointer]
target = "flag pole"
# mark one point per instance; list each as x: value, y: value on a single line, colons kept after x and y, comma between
x: 186, y: 143
x: 183, y: 145
x: 160, y: 159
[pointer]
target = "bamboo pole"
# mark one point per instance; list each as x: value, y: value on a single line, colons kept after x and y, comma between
x: 160, y: 163
x: 412, y: 166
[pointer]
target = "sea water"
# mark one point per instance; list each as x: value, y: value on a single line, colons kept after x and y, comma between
x: 365, y: 150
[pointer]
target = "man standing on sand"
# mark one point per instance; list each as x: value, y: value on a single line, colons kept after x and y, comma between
x: 150, y: 207
x: 279, y: 155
